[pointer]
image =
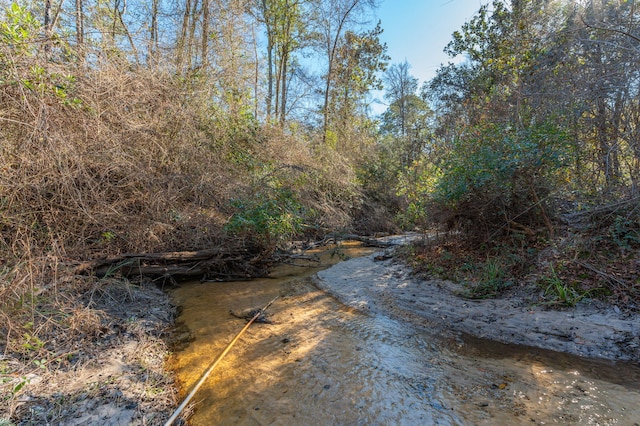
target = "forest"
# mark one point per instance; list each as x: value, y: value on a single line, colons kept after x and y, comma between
x: 155, y: 126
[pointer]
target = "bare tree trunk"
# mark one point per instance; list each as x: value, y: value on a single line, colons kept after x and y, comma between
x: 192, y: 33
x: 283, y: 96
x: 80, y: 29
x: 126, y: 31
x: 269, y: 28
x: 47, y: 26
x: 49, y: 22
x: 182, y: 38
x: 286, y: 51
x: 616, y: 137
x: 603, y: 141
x: 269, y: 75
x: 278, y: 82
x: 257, y: 72
x: 153, y: 36
x: 205, y: 34
x: 116, y: 9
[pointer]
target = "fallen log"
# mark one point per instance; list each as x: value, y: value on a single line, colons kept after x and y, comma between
x: 368, y: 242
x: 335, y: 238
x: 217, y: 264
x: 174, y: 256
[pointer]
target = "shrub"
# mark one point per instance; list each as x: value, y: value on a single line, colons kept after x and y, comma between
x: 271, y: 217
x: 493, y: 176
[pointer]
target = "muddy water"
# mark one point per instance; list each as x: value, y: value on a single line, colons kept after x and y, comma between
x: 322, y: 363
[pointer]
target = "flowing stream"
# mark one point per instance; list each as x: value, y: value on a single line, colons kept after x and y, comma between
x: 322, y: 363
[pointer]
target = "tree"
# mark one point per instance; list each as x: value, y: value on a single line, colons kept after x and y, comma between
x: 79, y: 15
x: 608, y: 48
x: 400, y: 90
x: 359, y: 60
x: 204, y: 37
x: 332, y: 19
x: 284, y: 25
x: 185, y: 37
x: 405, y: 123
x: 153, y: 32
x: 497, y: 157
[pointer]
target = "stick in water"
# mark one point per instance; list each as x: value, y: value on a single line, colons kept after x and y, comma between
x: 213, y: 365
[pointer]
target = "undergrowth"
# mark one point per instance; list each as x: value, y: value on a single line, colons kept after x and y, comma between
x: 485, y: 271
x: 556, y: 291
x: 595, y: 257
x: 105, y: 159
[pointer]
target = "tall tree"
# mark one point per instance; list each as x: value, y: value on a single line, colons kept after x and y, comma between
x: 183, y: 41
x: 333, y: 18
x: 285, y: 32
x: 47, y: 25
x: 204, y: 37
x: 360, y: 58
x: 608, y: 45
x: 406, y: 120
x: 230, y: 61
x: 153, y: 32
x: 400, y: 88
x: 265, y: 16
x: 79, y: 14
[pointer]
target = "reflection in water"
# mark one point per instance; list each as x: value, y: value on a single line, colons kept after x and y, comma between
x: 323, y: 363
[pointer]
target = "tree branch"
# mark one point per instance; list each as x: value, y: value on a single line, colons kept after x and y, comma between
x: 615, y: 30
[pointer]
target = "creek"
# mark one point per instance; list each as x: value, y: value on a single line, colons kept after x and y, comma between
x: 324, y: 363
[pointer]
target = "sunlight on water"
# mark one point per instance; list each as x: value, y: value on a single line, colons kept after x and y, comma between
x: 322, y: 363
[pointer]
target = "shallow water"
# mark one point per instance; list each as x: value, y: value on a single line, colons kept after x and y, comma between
x: 323, y: 363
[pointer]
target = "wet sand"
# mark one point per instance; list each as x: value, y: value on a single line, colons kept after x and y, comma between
x: 379, y: 360
x: 388, y: 288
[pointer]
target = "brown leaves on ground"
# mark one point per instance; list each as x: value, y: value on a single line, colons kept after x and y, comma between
x: 593, y: 265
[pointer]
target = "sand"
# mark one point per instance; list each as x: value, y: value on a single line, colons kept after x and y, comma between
x: 387, y: 287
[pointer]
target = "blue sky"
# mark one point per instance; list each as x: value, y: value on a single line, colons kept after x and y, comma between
x: 418, y: 30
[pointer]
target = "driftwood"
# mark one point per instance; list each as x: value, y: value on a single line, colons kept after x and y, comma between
x: 337, y: 237
x: 180, y: 256
x: 217, y: 264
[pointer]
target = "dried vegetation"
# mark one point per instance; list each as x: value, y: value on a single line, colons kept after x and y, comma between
x: 112, y: 160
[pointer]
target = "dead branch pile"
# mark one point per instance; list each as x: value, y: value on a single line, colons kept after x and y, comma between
x: 219, y: 264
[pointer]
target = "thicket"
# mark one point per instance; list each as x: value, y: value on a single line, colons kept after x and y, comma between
x: 533, y: 158
x: 494, y: 175
x: 100, y: 156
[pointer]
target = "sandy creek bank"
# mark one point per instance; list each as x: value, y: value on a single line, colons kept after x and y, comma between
x: 114, y: 376
x: 363, y: 342
x: 590, y: 329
